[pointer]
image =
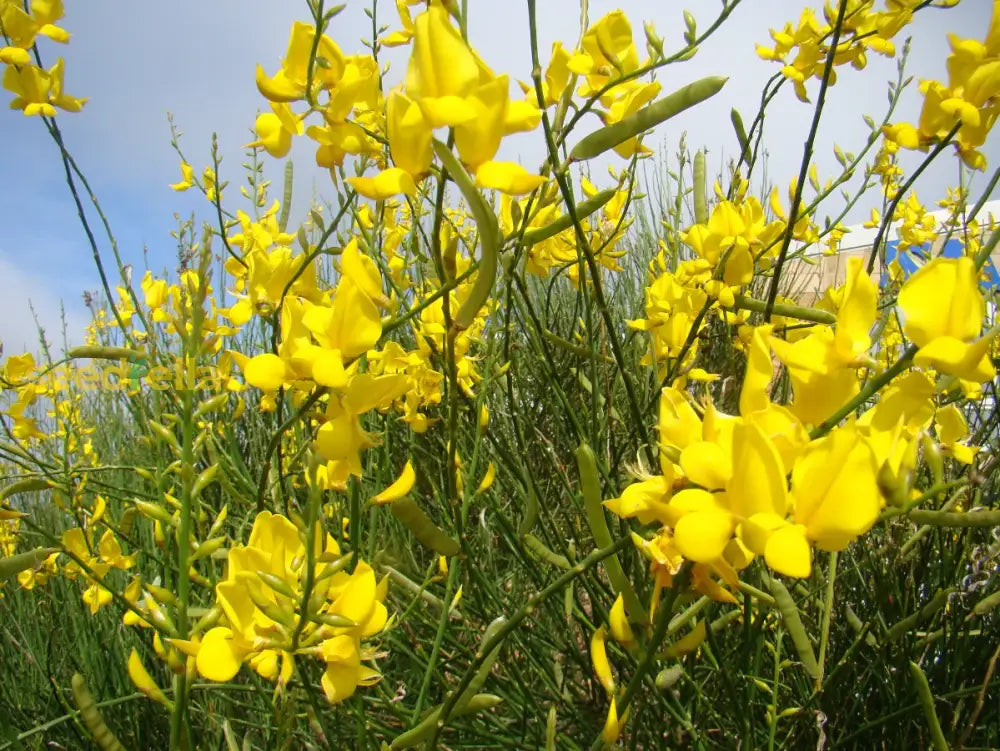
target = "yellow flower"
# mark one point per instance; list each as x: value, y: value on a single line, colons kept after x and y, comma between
x: 275, y: 130
x: 943, y: 311
x: 39, y: 92
x: 442, y: 71
x: 261, y: 597
x: 187, y: 178
x: 289, y: 83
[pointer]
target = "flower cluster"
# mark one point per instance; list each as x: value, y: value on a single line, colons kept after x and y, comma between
x: 863, y: 29
x: 281, y: 600
x: 969, y: 102
x: 37, y: 91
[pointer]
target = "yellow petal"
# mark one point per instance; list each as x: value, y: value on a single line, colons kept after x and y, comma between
x: 218, y: 658
x: 942, y: 299
x: 620, y: 628
x: 706, y: 464
x: 386, y: 184
x: 702, y: 536
x: 689, y: 642
x: 612, y: 727
x: 488, y: 478
x: 398, y: 489
x: 267, y: 372
x: 143, y: 680
x: 758, y: 481
x: 508, y: 177
x: 599, y: 656
x: 788, y: 553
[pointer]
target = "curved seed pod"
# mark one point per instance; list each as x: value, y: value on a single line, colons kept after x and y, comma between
x: 541, y: 550
x: 95, y: 352
x: 487, y: 665
x: 741, y: 134
x: 987, y: 604
x: 793, y: 624
x: 700, y: 199
x: 900, y: 628
x: 204, y: 479
x: 530, y: 510
x: 648, y: 117
x: 590, y: 485
x: 427, y: 532
x: 286, y: 197
x: 425, y: 728
x: 583, y: 210
x: 955, y: 518
x: 92, y: 719
x: 29, y: 485
x: 855, y: 623
x: 489, y: 237
x: 927, y: 703
x: 15, y: 564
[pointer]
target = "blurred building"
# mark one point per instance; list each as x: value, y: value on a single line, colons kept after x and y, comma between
x: 807, y: 278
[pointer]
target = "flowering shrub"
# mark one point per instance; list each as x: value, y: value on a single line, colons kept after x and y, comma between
x: 417, y: 410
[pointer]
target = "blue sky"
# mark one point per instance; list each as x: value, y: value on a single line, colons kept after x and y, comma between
x: 196, y: 58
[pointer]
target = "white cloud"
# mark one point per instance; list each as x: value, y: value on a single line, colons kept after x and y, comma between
x: 22, y: 292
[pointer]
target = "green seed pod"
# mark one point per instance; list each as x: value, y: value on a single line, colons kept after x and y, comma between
x: 793, y: 624
x: 700, y: 197
x: 278, y: 584
x: 207, y: 548
x: 426, y: 531
x: 987, y: 604
x: 668, y: 677
x: 165, y: 434
x: 154, y: 511
x: 901, y: 628
x: 956, y: 518
x: 590, y: 485
x: 564, y: 222
x: 855, y: 623
x: 486, y: 667
x: 286, y: 194
x: 209, y: 619
x: 932, y: 457
x: 94, y: 352
x: 15, y: 564
x: 30, y: 485
x: 530, y: 517
x: 210, y: 405
x: 741, y: 134
x: 927, y: 704
x: 425, y: 728
x: 204, y: 480
x: 489, y: 237
x: 539, y: 549
x: 550, y: 730
x: 331, y: 619
x: 92, y: 719
x: 648, y: 117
